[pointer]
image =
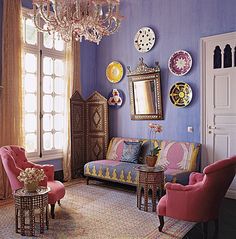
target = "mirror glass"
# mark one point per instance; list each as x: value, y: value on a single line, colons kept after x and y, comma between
x: 144, y: 97
x: 145, y: 92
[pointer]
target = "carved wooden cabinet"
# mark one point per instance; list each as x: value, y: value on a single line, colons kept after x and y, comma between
x: 89, y: 130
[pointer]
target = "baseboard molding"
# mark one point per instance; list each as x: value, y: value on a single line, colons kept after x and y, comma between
x: 231, y: 194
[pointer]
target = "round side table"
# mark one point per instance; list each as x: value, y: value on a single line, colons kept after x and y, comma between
x: 30, y: 202
x: 150, y: 178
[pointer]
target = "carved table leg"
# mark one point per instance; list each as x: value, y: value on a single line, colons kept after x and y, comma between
x: 16, y: 215
x: 139, y: 196
x: 22, y: 222
x: 31, y: 222
x: 47, y: 222
x: 146, y: 198
x: 154, y: 198
x: 41, y: 220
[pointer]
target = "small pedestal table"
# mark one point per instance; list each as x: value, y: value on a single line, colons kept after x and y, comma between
x: 26, y: 204
x: 150, y: 178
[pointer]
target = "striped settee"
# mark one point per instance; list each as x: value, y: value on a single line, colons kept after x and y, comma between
x: 178, y: 159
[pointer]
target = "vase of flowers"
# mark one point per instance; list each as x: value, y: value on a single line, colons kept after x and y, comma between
x: 154, y: 148
x: 31, y: 178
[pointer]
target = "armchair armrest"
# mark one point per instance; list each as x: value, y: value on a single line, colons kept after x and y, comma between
x: 195, y: 177
x: 179, y: 187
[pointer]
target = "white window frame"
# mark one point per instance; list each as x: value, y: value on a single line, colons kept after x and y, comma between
x: 41, y: 51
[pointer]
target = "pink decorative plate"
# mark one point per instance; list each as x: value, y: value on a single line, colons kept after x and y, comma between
x: 180, y: 63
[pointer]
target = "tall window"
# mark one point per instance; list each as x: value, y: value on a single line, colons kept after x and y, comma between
x: 44, y: 90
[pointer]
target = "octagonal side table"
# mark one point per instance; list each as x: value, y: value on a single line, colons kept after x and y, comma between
x: 26, y: 203
x: 150, y: 178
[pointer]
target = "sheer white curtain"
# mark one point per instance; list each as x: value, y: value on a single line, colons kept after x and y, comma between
x: 11, y: 130
x: 72, y: 83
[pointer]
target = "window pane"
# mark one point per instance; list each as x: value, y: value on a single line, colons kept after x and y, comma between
x: 30, y: 123
x: 47, y: 65
x: 30, y: 103
x: 59, y: 44
x: 30, y: 32
x: 59, y: 67
x: 59, y: 104
x: 30, y: 143
x: 30, y: 83
x: 58, y: 139
x: 59, y: 86
x: 47, y: 84
x: 47, y: 141
x: 48, y: 40
x: 30, y: 63
x: 47, y: 103
x: 47, y: 122
x: 58, y: 122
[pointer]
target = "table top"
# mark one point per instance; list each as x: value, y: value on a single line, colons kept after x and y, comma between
x: 144, y: 168
x: 22, y: 192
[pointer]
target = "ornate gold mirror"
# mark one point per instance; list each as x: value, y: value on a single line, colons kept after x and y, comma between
x: 145, y: 92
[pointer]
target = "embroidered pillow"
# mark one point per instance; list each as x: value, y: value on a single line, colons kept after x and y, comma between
x: 131, y: 151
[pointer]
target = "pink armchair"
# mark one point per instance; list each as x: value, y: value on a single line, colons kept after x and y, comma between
x: 200, y: 200
x: 14, y: 160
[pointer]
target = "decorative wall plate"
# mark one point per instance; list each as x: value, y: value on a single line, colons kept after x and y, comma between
x: 181, y: 94
x: 180, y: 63
x: 114, y: 72
x: 115, y: 98
x: 144, y: 39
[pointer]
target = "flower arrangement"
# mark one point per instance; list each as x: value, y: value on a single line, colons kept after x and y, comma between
x: 154, y: 129
x: 31, y: 175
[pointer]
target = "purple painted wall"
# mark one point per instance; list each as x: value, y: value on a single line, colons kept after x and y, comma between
x: 178, y: 25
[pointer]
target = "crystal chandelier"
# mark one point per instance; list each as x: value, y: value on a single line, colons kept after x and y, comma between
x: 91, y: 19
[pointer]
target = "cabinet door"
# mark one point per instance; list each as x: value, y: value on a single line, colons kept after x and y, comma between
x: 78, y: 132
x: 96, y: 127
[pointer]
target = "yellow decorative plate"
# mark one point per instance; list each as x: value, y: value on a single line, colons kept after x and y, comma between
x: 114, y: 72
x: 181, y: 94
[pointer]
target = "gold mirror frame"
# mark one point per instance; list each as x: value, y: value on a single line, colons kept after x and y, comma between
x: 145, y: 104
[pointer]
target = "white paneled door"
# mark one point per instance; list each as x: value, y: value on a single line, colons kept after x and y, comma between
x: 219, y: 99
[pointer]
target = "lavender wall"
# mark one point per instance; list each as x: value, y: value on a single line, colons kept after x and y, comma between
x: 178, y: 25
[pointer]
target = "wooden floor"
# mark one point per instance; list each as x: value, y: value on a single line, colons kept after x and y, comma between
x: 227, y: 219
x: 227, y: 223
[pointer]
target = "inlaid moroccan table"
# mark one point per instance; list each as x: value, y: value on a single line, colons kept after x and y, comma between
x: 26, y: 206
x: 150, y: 179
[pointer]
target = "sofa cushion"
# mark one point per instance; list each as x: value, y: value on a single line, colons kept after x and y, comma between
x: 116, y: 146
x: 131, y: 151
x: 178, y: 155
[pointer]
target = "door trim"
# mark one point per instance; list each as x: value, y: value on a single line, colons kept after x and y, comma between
x: 203, y: 122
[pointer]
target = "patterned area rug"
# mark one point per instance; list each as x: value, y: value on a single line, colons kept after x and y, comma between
x: 98, y: 212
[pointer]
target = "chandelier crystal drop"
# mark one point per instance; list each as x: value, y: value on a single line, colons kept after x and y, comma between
x: 91, y: 19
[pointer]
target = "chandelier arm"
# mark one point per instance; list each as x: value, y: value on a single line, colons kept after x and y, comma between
x: 59, y: 22
x: 43, y: 15
x: 38, y: 25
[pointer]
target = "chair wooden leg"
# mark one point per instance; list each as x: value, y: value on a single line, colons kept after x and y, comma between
x: 161, y: 219
x: 216, y: 227
x: 205, y: 227
x: 53, y: 211
x: 87, y: 180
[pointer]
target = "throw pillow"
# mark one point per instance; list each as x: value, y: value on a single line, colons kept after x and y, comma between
x: 131, y: 151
